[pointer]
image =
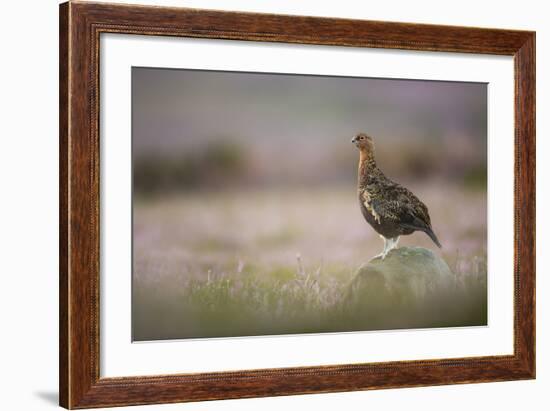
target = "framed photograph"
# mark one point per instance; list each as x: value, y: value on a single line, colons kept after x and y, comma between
x: 258, y: 205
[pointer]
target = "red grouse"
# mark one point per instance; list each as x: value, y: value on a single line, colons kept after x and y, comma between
x: 389, y: 208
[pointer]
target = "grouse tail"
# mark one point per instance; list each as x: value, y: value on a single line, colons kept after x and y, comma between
x: 423, y: 226
x: 432, y: 235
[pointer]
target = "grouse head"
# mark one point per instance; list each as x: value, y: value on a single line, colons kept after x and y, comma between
x: 363, y: 142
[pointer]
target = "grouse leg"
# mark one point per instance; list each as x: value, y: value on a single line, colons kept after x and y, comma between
x: 387, y: 247
x: 389, y: 244
x: 394, y: 242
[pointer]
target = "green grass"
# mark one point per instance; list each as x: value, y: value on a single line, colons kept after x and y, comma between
x: 223, y: 263
x: 295, y: 300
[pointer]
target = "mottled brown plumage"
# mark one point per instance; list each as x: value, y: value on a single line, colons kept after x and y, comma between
x: 388, y: 207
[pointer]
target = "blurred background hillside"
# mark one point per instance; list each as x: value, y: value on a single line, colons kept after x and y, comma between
x: 202, y: 129
x: 236, y: 173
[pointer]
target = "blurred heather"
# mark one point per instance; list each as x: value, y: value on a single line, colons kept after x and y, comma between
x: 199, y: 128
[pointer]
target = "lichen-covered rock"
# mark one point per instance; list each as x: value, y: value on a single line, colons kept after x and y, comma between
x: 411, y: 287
x: 411, y: 271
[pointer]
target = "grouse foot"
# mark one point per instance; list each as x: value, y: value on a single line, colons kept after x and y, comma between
x: 389, y: 244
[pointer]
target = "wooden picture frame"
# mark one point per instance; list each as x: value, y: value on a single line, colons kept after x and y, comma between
x: 80, y: 27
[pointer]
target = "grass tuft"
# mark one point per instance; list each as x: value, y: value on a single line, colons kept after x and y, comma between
x: 247, y: 301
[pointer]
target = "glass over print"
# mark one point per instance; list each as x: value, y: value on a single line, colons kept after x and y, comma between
x: 268, y: 204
